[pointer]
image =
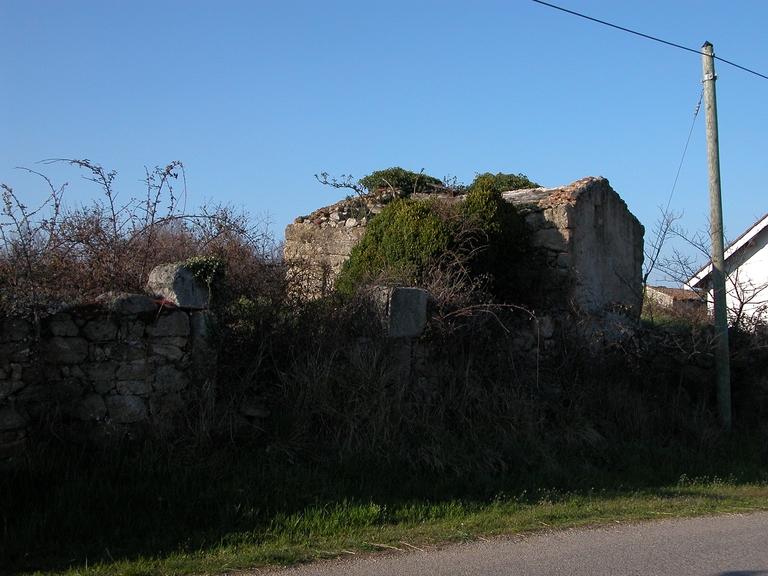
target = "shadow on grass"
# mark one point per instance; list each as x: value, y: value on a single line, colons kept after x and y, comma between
x: 66, y: 508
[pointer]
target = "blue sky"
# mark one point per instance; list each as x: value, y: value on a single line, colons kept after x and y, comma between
x: 257, y: 97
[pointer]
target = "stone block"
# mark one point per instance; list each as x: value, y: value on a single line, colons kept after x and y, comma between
x: 133, y: 387
x: 90, y: 407
x: 99, y: 370
x: 62, y: 325
x: 10, y: 419
x: 132, y: 371
x: 535, y: 220
x: 15, y: 352
x: 61, y: 350
x: 97, y: 353
x: 201, y: 328
x: 125, y: 352
x: 551, y: 239
x: 178, y: 341
x: 100, y: 331
x: 126, y: 409
x: 176, y: 284
x: 9, y: 387
x: 127, y: 304
x: 564, y: 261
x: 32, y: 393
x: 103, y: 386
x: 405, y: 311
x: 14, y: 330
x: 132, y: 330
x: 170, y: 325
x: 74, y: 372
x: 561, y: 215
x: 172, y: 353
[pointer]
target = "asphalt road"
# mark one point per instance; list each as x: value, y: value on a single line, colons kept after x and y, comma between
x: 730, y: 545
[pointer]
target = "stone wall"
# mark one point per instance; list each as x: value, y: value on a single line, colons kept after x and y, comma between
x: 119, y: 367
x: 592, y: 244
x: 316, y: 252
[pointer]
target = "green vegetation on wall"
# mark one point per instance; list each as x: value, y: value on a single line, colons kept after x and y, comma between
x: 407, y: 241
x: 504, y: 182
x: 502, y: 234
x: 209, y: 269
x: 401, y: 242
x: 399, y: 180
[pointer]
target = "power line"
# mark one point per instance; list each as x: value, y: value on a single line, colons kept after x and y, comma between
x: 667, y: 218
x: 685, y: 150
x: 648, y: 37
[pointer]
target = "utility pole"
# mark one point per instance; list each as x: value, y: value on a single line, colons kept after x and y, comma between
x: 722, y: 356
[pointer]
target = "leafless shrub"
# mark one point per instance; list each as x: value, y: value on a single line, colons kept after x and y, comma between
x: 58, y: 255
x: 32, y: 254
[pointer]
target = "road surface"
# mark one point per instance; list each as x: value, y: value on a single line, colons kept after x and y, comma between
x: 729, y: 545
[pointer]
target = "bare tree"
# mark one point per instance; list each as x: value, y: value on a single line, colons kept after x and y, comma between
x: 747, y: 297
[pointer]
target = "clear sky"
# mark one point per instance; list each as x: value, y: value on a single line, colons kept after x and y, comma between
x: 256, y: 97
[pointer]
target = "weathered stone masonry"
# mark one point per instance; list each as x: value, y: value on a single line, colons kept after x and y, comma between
x: 110, y: 369
x: 592, y: 243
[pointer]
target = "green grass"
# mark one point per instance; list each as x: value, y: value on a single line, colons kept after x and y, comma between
x: 159, y: 512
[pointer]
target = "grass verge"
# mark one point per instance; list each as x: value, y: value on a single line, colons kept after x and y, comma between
x: 155, y: 513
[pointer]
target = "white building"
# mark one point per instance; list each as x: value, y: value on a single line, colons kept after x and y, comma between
x: 746, y: 269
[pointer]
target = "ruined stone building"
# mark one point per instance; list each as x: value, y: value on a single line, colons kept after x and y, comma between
x: 590, y: 242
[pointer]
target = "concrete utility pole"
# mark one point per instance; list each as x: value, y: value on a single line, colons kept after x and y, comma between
x: 722, y: 356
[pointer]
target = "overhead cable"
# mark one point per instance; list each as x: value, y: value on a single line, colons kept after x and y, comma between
x: 723, y: 60
x: 680, y: 167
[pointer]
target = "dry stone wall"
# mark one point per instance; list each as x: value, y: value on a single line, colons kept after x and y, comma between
x: 119, y: 367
